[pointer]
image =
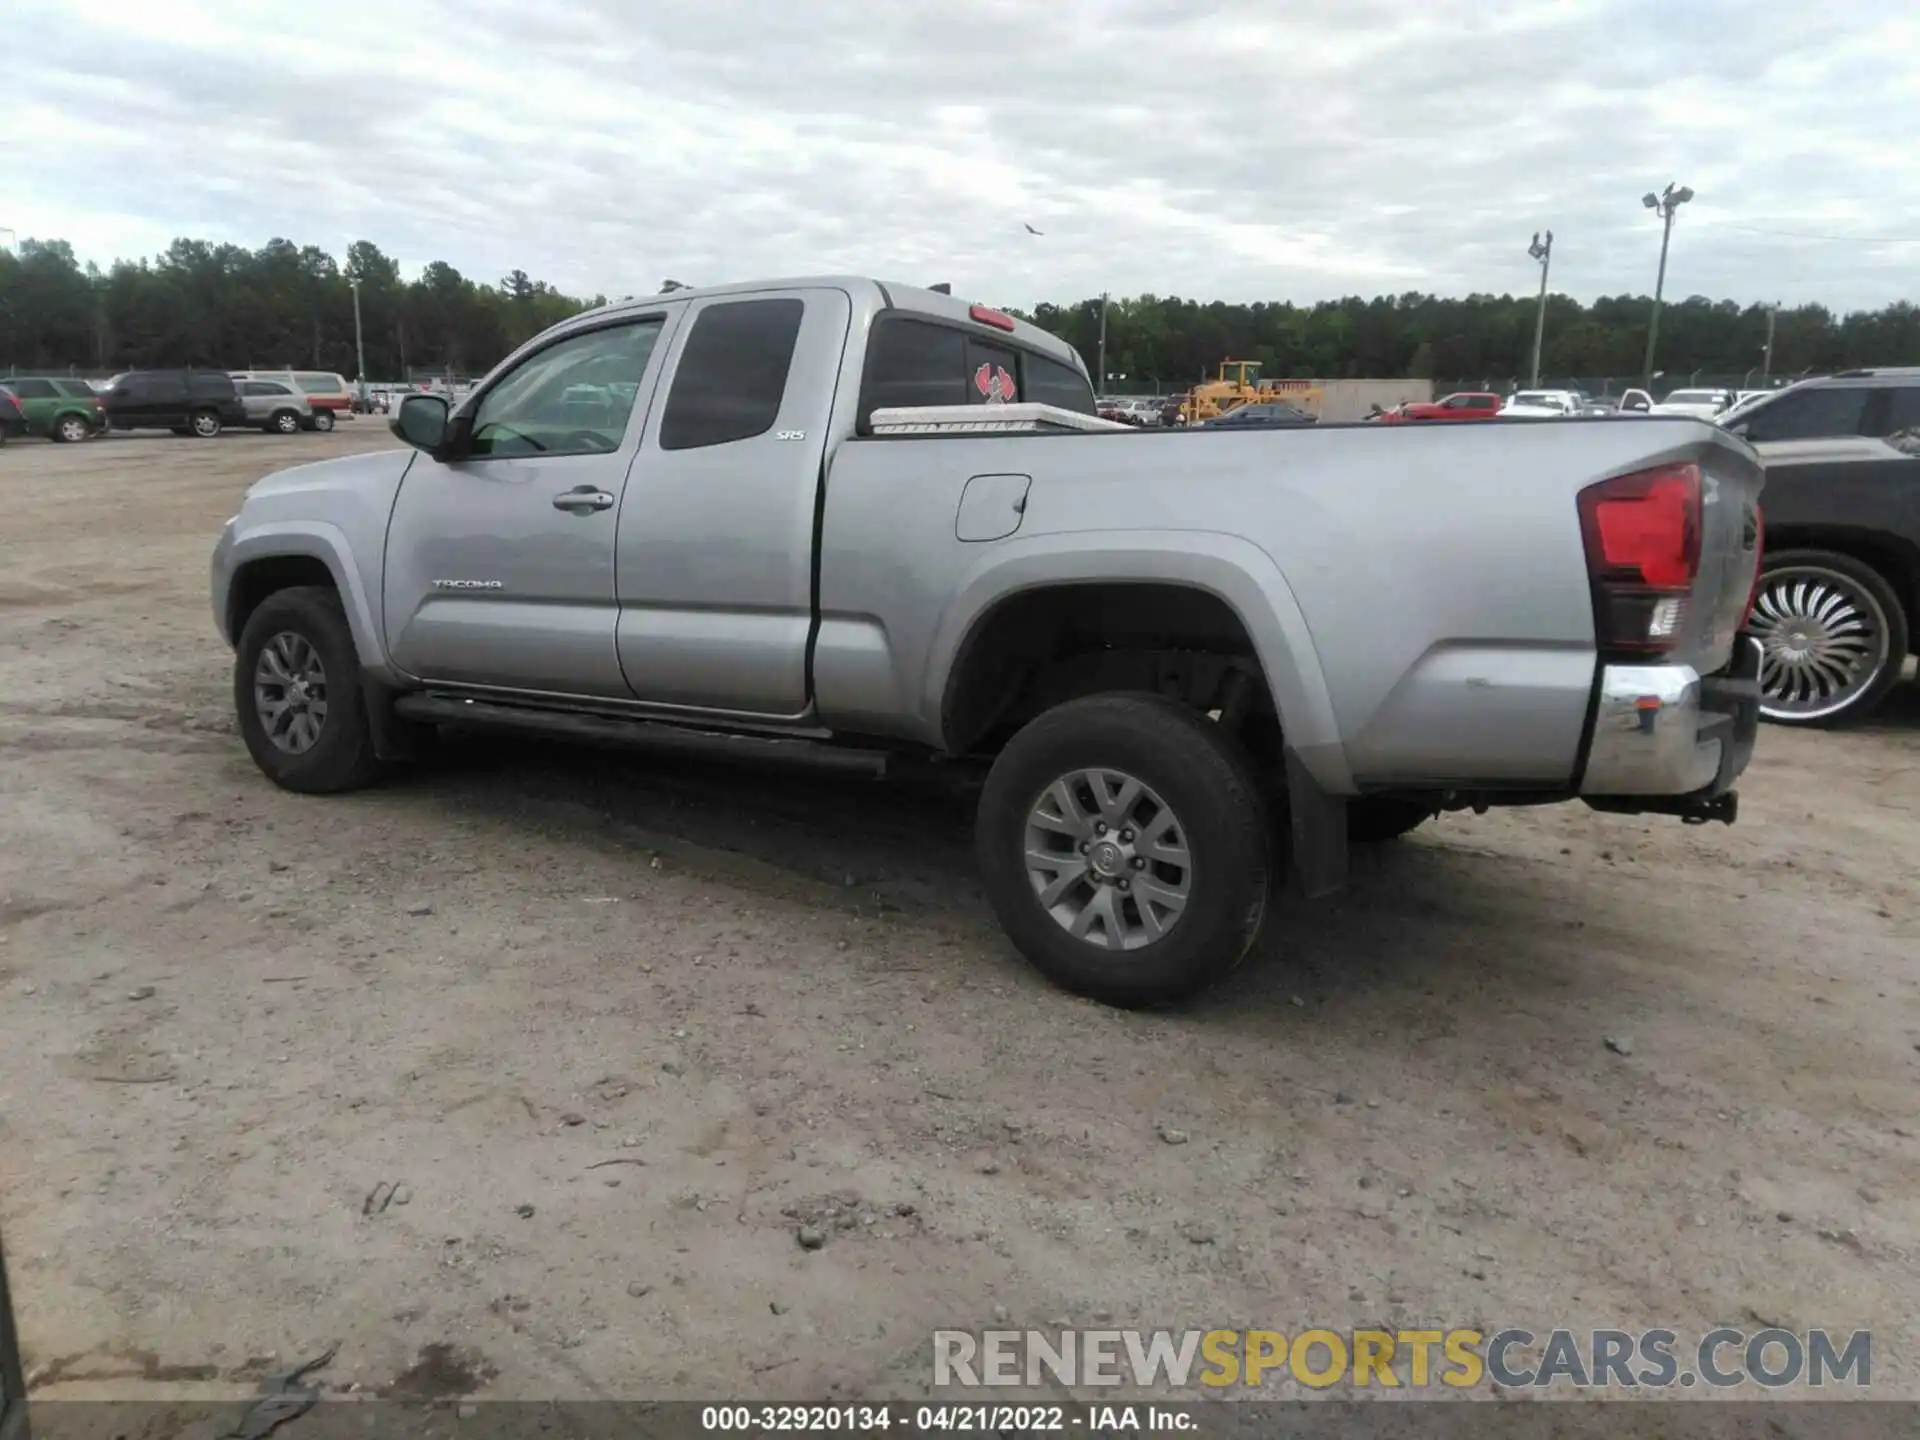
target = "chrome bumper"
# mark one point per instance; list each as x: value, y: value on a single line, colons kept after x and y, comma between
x: 1666, y: 730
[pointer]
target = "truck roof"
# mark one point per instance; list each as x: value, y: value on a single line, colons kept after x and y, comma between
x: 871, y: 296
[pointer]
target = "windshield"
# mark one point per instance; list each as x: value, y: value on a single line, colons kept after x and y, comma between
x: 1693, y: 397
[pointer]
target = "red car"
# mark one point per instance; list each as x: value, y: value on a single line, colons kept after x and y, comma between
x: 1462, y: 405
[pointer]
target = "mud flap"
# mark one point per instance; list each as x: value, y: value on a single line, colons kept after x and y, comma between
x: 393, y: 737
x: 1319, y: 826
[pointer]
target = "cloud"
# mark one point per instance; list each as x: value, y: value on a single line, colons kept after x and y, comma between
x: 1219, y: 150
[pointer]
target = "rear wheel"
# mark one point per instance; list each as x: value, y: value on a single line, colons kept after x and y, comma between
x: 284, y: 422
x: 205, y: 424
x: 323, y: 420
x: 71, y: 429
x: 1833, y: 636
x: 298, y: 694
x: 1123, y: 844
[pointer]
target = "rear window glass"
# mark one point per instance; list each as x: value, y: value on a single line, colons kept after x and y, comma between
x: 732, y: 373
x: 1051, y: 383
x: 320, y: 384
x: 910, y: 362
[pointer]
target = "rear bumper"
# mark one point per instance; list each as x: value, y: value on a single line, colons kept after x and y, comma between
x: 1666, y: 731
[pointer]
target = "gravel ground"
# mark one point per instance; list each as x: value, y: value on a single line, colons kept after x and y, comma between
x: 520, y: 1075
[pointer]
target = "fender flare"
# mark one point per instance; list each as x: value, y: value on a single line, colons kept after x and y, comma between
x: 1233, y: 570
x: 314, y: 540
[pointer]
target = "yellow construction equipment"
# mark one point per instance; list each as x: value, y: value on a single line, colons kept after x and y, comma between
x: 1239, y: 383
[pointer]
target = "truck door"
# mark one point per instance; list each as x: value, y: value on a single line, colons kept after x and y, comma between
x: 500, y: 565
x: 715, y: 567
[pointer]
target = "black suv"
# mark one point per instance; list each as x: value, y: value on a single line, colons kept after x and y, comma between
x: 187, y: 402
x: 1839, y: 596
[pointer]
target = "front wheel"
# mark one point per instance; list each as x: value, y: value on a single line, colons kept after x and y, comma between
x: 1833, y: 636
x: 298, y: 696
x: 205, y: 424
x: 323, y: 420
x: 1123, y: 844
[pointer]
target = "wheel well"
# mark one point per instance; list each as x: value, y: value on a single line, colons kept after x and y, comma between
x: 258, y: 579
x: 1897, y: 561
x: 1039, y: 648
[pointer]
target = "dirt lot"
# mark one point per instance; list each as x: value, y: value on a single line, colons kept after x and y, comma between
x: 617, y: 1026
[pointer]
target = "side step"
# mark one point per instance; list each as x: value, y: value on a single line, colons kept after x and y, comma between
x: 597, y: 729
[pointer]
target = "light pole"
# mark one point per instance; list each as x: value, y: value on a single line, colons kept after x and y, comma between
x: 359, y: 341
x: 1101, y: 388
x: 1544, y: 254
x: 1766, y: 364
x: 1666, y: 202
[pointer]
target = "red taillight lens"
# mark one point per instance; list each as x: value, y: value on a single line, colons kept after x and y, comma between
x: 986, y: 315
x: 1642, y: 534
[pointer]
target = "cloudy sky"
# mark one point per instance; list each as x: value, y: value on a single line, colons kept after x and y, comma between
x: 1262, y: 149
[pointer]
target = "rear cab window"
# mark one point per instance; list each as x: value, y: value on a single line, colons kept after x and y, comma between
x: 914, y: 360
x: 732, y: 373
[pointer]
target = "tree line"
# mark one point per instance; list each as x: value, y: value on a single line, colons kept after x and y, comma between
x: 286, y: 305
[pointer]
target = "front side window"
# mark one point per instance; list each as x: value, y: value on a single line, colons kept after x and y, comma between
x: 732, y: 374
x: 572, y: 398
x: 77, y: 389
x: 1810, y: 415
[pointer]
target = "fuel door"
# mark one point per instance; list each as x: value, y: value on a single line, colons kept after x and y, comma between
x: 991, y: 507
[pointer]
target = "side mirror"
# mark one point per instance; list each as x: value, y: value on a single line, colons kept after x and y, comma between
x: 422, y: 422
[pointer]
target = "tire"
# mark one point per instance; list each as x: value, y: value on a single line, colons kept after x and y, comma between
x: 1833, y: 636
x: 284, y: 422
x: 338, y: 750
x: 1201, y: 780
x: 71, y: 429
x: 1374, y: 819
x: 205, y: 424
x: 323, y: 420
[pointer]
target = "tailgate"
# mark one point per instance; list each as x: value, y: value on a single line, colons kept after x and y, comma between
x: 1731, y: 477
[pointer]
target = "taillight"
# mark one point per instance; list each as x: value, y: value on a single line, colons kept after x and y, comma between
x: 986, y: 315
x: 1642, y: 534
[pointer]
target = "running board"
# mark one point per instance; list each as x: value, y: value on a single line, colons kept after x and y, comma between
x: 591, y: 728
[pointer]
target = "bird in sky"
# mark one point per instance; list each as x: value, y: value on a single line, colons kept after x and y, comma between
x: 1031, y: 230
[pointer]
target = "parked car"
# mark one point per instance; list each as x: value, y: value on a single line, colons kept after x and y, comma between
x: 328, y: 393
x: 187, y: 402
x: 1839, y: 598
x: 1541, y: 405
x: 1148, y: 646
x: 1173, y: 410
x: 1260, y: 413
x: 13, y: 420
x: 1144, y: 412
x: 1701, y: 404
x: 1461, y: 405
x: 274, y: 406
x: 58, y: 406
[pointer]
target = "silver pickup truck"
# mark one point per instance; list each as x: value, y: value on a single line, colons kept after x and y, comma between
x: 1188, y: 663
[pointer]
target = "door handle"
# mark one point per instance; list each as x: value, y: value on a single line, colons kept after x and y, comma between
x: 583, y: 499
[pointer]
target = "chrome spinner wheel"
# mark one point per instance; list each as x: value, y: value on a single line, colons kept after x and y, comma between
x: 1824, y: 642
